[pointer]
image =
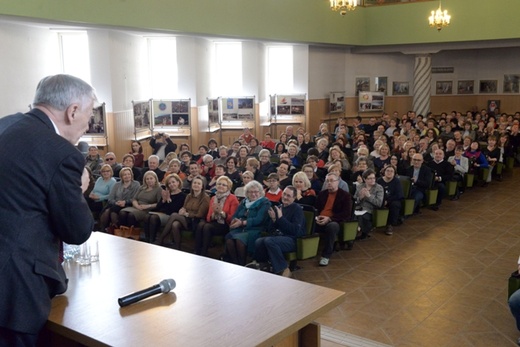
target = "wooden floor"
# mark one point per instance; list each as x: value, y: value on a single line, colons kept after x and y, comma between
x: 440, y: 280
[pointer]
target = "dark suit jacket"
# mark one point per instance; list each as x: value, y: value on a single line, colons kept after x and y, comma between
x: 342, y: 207
x: 424, y: 180
x: 41, y: 204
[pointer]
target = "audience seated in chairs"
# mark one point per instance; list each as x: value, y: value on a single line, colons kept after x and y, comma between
x: 144, y: 200
x: 368, y: 197
x: 99, y: 194
x: 194, y: 210
x: 248, y: 221
x: 172, y: 200
x: 393, y: 197
x: 287, y: 223
x: 153, y: 165
x: 334, y: 206
x: 120, y: 197
x: 222, y: 207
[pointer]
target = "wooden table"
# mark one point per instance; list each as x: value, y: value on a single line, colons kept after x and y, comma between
x: 213, y: 304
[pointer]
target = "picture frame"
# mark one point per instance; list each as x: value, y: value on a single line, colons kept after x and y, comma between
x: 381, y: 84
x: 170, y: 113
x: 466, y: 87
x: 141, y: 114
x: 443, y: 87
x: 400, y: 88
x: 371, y: 101
x: 362, y: 84
x: 96, y: 124
x: 488, y: 86
x: 511, y: 84
x: 336, y: 102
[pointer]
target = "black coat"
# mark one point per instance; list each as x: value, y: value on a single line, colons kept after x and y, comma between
x: 41, y: 204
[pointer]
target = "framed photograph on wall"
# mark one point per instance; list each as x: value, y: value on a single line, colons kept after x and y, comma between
x: 401, y: 88
x: 443, y: 87
x: 465, y: 87
x: 511, y: 84
x: 488, y: 86
x: 362, y: 85
x: 336, y: 102
x: 381, y: 84
x: 371, y: 101
x: 141, y: 114
x: 96, y: 124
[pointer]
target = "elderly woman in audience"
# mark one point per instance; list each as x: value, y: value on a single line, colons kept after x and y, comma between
x: 368, y: 197
x: 174, y: 167
x: 383, y: 159
x: 266, y: 167
x: 221, y: 208
x: 102, y: 187
x: 248, y: 221
x: 253, y: 165
x: 129, y: 161
x: 321, y: 146
x: 294, y: 156
x: 336, y: 154
x: 120, y: 197
x: 172, y: 199
x: 144, y: 201
x: 194, y: 210
x: 461, y: 167
x: 304, y: 193
x: 166, y: 162
x: 393, y: 196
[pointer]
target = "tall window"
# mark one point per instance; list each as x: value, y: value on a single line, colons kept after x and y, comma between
x: 227, y: 76
x: 279, y: 69
x: 75, y: 58
x: 163, y: 67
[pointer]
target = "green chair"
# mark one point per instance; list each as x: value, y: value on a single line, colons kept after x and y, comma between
x: 499, y: 168
x: 307, y: 245
x: 380, y: 217
x: 451, y: 188
x: 408, y: 204
x: 484, y: 173
x: 510, y: 163
x: 431, y: 196
x: 468, y: 180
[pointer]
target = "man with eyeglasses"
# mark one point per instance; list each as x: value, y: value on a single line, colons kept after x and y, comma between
x: 421, y: 177
x: 110, y: 159
x: 334, y: 206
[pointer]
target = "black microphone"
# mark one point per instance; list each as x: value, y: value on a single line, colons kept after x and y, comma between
x: 164, y: 287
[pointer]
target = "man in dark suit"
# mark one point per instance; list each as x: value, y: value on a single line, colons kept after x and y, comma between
x: 153, y: 165
x: 442, y: 173
x: 421, y: 177
x: 334, y: 206
x: 41, y: 204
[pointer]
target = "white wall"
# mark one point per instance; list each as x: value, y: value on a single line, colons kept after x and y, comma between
x: 29, y: 53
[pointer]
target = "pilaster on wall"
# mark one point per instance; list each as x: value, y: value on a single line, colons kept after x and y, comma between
x: 422, y: 80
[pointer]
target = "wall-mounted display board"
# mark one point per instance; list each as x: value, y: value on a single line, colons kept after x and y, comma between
x: 142, y: 114
x: 213, y: 115
x: 237, y: 112
x: 336, y: 102
x: 371, y: 101
x: 287, y: 109
x: 96, y: 133
x: 172, y: 116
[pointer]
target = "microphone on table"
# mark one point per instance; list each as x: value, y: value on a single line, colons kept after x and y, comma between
x: 163, y: 287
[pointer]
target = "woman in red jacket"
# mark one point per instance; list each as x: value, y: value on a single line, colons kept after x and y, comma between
x: 221, y: 208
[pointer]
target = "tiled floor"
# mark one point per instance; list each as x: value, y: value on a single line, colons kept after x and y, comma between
x: 440, y: 280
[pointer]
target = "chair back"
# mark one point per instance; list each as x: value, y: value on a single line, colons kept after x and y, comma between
x: 310, y: 218
x: 406, y: 184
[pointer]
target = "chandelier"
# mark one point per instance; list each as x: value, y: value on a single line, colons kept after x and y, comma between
x: 439, y: 19
x: 343, y: 6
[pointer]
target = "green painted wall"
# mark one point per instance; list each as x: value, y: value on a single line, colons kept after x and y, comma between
x: 285, y: 20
